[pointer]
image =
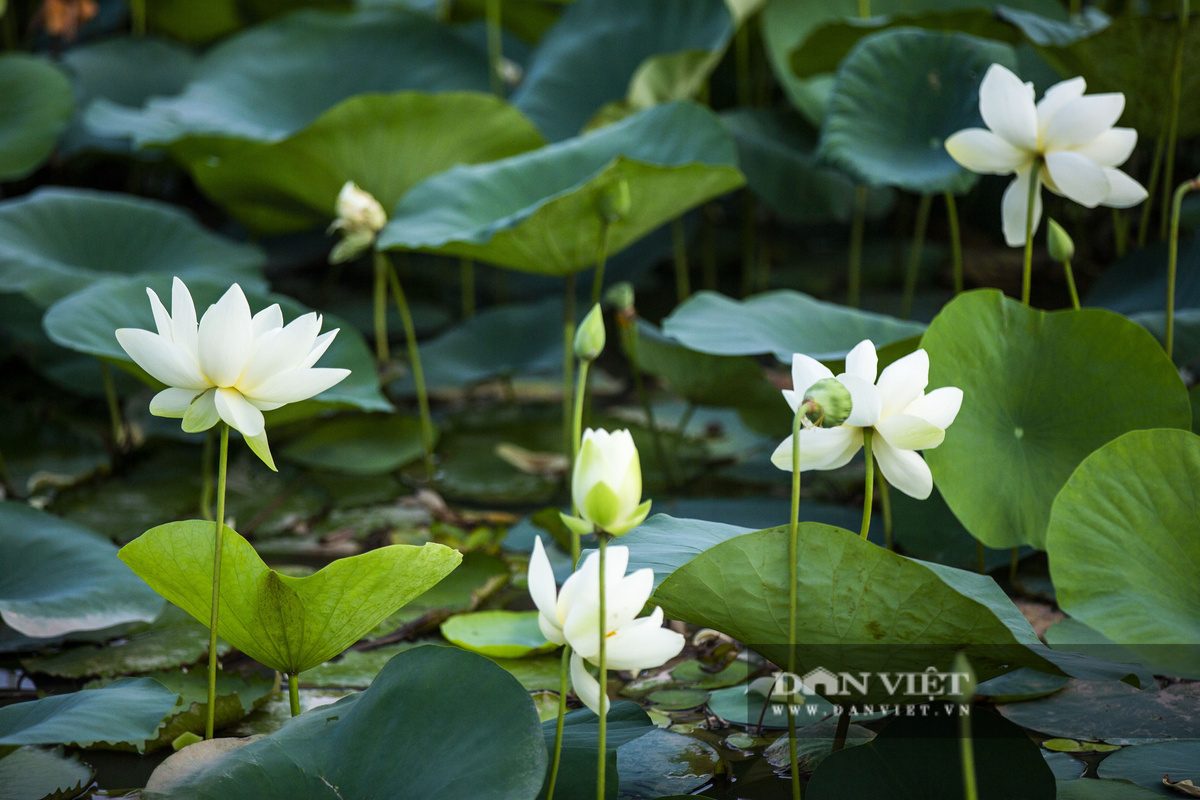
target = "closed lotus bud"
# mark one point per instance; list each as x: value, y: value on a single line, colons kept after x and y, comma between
x: 964, y: 683
x: 359, y: 218
x: 1062, y: 248
x: 607, y: 484
x: 828, y: 403
x: 614, y: 202
x: 589, y: 339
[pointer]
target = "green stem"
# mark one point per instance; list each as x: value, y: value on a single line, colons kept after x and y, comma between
x: 558, y: 726
x: 858, y: 227
x: 466, y: 274
x: 914, y: 255
x: 683, y: 287
x: 10, y: 26
x: 568, y: 365
x: 1151, y: 190
x: 749, y: 234
x: 495, y: 45
x: 968, y: 757
x: 1071, y: 284
x: 206, y: 479
x: 414, y: 360
x: 380, y: 305
x: 639, y: 386
x: 708, y: 264
x: 741, y: 53
x: 1173, y: 258
x: 6, y: 487
x: 764, y: 266
x: 1012, y: 565
x: 868, y: 490
x: 294, y: 692
x: 218, y: 548
x: 1076, y: 7
x: 864, y: 8
x: 577, y: 429
x: 981, y: 565
x: 955, y: 242
x: 119, y: 434
x: 885, y: 500
x: 793, y: 555
x: 1027, y: 273
x: 843, y: 729
x: 793, y: 756
x: 601, y: 260
x: 1120, y: 232
x: 1173, y: 114
x: 137, y: 17
x: 603, y: 663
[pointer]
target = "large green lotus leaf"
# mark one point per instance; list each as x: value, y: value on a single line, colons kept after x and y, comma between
x: 360, y: 445
x: 537, y: 212
x: 864, y: 609
x: 35, y: 773
x: 920, y: 758
x: 436, y: 723
x: 1147, y: 764
x: 1071, y: 634
x: 587, y: 59
x: 57, y: 241
x: 289, y: 624
x: 1041, y: 391
x: 384, y: 143
x: 272, y: 80
x: 777, y: 152
x: 627, y: 722
x: 1133, y: 502
x: 898, y: 95
x: 130, y: 709
x: 1129, y: 53
x: 1111, y: 711
x: 37, y: 102
x: 58, y: 577
x: 782, y: 322
x: 87, y: 321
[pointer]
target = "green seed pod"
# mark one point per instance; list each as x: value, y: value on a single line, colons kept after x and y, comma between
x: 620, y: 297
x: 1062, y: 248
x: 831, y: 403
x: 614, y: 201
x: 589, y: 339
x: 964, y: 683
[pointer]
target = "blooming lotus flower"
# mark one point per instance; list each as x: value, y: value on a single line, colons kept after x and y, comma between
x: 607, y: 484
x: 904, y: 419
x: 572, y: 616
x: 1070, y: 139
x: 359, y: 217
x: 232, y: 366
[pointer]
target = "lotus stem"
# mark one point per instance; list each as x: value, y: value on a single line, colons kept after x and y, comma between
x: 858, y: 227
x: 206, y: 480
x: 843, y: 729
x: 914, y: 255
x: 708, y: 251
x: 868, y: 489
x: 749, y: 234
x: 981, y: 560
x: 1151, y: 189
x: 5, y: 483
x: 495, y: 46
x: 885, y: 500
x: 864, y: 8
x: 1071, y: 284
x: 1173, y: 259
x: 683, y: 287
x: 956, y: 257
x: 764, y: 267
x: 119, y: 433
x: 639, y: 386
x: 793, y: 554
x: 10, y: 27
x: 1012, y: 565
x: 968, y: 756
x: 294, y: 692
x: 603, y: 658
x: 1027, y: 273
x: 137, y: 17
x: 568, y: 367
x: 1120, y: 232
x: 1173, y: 113
x: 218, y: 548
x: 466, y: 273
x: 577, y: 434
x: 414, y: 360
x: 558, y: 726
x: 741, y: 53
x: 601, y: 261
x: 380, y: 306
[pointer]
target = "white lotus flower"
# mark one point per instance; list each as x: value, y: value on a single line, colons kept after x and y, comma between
x: 231, y: 366
x: 607, y: 484
x: 359, y: 218
x: 572, y: 616
x: 1068, y: 136
x: 904, y: 419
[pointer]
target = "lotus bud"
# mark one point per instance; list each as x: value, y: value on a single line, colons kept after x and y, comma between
x: 589, y: 339
x: 827, y: 403
x: 359, y: 217
x: 607, y: 484
x: 1062, y: 248
x: 614, y: 202
x: 963, y: 683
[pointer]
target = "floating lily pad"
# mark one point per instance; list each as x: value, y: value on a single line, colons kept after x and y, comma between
x: 131, y: 709
x: 677, y: 699
x: 43, y: 453
x: 1065, y: 767
x: 580, y: 743
x: 694, y: 674
x: 37, y: 102
x: 663, y: 762
x: 814, y: 746
x: 930, y: 80
x: 360, y: 445
x: 1133, y: 502
x: 56, y: 241
x: 1101, y: 790
x: 500, y: 634
x: 537, y: 212
x: 35, y: 773
x: 1071, y: 634
x: 1112, y: 712
x: 1021, y: 684
x: 288, y: 624
x: 741, y: 706
x: 781, y: 322
x: 59, y: 577
x: 1147, y: 764
x: 1026, y: 423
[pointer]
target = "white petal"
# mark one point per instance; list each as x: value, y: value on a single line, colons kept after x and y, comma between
x: 1006, y: 105
x: 866, y: 401
x: 792, y: 399
x: 903, y: 381
x: 269, y: 319
x: 643, y: 644
x: 1078, y: 177
x: 300, y: 384
x: 820, y: 448
x: 982, y: 151
x: 1055, y: 98
x: 238, y: 413
x: 939, y: 407
x: 226, y: 337
x: 1124, y: 191
x: 172, y: 402
x: 319, y: 347
x: 162, y: 320
x: 1111, y: 148
x: 907, y: 432
x: 164, y: 361
x: 279, y: 350
x: 1081, y: 120
x: 183, y: 318
x: 550, y: 630
x: 1016, y: 201
x: 805, y: 372
x: 863, y: 361
x: 587, y: 687
x: 903, y: 469
x: 542, y: 586
x: 202, y: 413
